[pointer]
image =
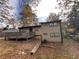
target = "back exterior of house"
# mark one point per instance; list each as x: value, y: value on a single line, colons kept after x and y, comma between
x: 50, y: 31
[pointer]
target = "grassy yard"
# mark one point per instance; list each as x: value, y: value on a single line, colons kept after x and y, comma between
x: 21, y: 50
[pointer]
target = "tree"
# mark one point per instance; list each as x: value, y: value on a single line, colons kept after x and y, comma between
x: 35, y: 19
x: 3, y: 9
x: 66, y: 6
x: 27, y: 15
x: 5, y: 16
x: 74, y: 16
x: 52, y: 17
x: 32, y: 3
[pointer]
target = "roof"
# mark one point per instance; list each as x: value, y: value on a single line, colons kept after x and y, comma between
x: 28, y: 27
x: 37, y: 26
x: 56, y: 21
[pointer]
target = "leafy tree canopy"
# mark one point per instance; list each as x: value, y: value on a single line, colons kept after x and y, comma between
x: 52, y: 17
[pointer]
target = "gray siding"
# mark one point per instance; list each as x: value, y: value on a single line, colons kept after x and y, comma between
x: 49, y: 33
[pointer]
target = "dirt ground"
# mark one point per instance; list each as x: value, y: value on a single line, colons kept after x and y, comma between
x: 21, y: 50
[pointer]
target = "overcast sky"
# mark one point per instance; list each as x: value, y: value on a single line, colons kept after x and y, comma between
x: 43, y: 9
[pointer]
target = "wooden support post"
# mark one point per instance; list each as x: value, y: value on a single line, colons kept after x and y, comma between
x: 5, y: 36
x: 17, y: 36
x: 61, y: 33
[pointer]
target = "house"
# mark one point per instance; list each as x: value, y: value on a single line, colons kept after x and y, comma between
x: 50, y: 31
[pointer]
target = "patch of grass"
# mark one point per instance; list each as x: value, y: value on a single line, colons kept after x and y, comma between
x: 6, y: 50
x: 38, y: 57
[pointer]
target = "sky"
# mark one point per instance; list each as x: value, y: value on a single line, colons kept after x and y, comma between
x: 43, y: 9
x: 16, y: 6
x: 13, y: 3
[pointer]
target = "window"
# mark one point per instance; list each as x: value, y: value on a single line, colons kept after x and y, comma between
x: 52, y: 34
x: 44, y: 33
x: 51, y: 24
x: 55, y: 24
x: 56, y: 34
x: 36, y: 29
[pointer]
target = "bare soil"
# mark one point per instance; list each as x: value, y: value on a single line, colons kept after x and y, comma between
x: 21, y: 50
